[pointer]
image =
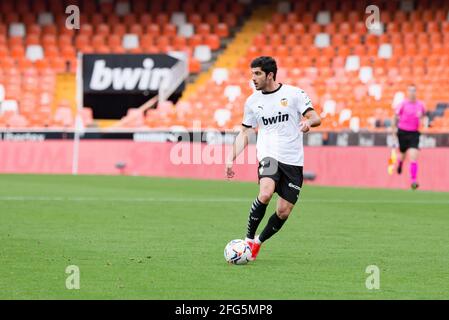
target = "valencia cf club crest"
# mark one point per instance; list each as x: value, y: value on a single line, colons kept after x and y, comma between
x: 284, y: 102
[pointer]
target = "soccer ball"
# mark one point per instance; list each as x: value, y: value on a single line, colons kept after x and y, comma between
x: 237, y: 252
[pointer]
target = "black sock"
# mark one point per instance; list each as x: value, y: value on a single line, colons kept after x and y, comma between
x: 255, y: 216
x: 274, y: 225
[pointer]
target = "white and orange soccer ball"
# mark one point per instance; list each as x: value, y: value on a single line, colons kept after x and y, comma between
x: 237, y: 252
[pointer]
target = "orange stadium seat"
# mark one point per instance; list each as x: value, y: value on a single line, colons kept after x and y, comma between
x: 418, y: 38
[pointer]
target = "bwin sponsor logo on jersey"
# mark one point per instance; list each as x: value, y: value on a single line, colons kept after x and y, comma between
x: 272, y: 120
x: 145, y: 78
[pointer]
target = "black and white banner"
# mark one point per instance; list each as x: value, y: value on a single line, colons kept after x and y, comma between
x: 113, y: 83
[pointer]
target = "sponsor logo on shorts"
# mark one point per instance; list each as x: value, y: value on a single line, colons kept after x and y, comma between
x: 291, y: 185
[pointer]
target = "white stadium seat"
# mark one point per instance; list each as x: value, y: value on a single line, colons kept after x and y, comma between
x: 322, y: 40
x: 130, y: 41
x: 222, y: 116
x: 345, y: 115
x: 398, y: 97
x: 385, y: 51
x: 186, y: 30
x: 34, y: 53
x: 232, y: 92
x: 365, y: 74
x: 220, y: 75
x: 375, y: 90
x: 376, y: 29
x: 202, y: 53
x: 329, y: 107
x: 17, y: 30
x: 352, y: 63
x: 354, y: 124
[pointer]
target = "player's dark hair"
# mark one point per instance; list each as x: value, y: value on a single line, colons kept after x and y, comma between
x: 267, y: 64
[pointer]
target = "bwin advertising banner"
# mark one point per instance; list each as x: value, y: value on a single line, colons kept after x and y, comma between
x: 113, y: 83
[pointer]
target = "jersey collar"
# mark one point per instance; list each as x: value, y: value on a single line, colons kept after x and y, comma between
x: 270, y: 92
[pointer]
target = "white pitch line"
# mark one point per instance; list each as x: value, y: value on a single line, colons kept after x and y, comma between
x: 207, y: 200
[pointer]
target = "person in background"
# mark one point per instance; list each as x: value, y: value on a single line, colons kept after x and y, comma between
x: 409, y: 114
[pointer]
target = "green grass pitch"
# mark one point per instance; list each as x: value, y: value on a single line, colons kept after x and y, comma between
x: 148, y: 238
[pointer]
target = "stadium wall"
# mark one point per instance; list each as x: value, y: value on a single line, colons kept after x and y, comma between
x: 333, y: 166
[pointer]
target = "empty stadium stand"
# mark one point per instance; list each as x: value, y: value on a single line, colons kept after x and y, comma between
x: 353, y: 74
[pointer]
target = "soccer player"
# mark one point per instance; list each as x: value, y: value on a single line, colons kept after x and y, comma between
x: 282, y: 114
x: 406, y: 125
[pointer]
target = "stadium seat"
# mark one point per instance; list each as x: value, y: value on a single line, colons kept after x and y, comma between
x: 34, y: 53
x: 312, y: 40
x: 87, y: 116
x: 323, y: 18
x: 365, y: 74
x: 354, y: 124
x: 222, y: 116
x: 122, y: 8
x: 186, y: 30
x: 322, y: 40
x: 385, y: 51
x: 352, y: 63
x: 345, y: 115
x: 232, y: 92
x: 178, y: 18
x: 329, y: 107
x: 222, y: 30
x: 45, y: 19
x: 63, y: 117
x: 220, y: 75
x: 17, y: 121
x: 202, y: 53
x: 375, y: 90
x: 9, y: 106
x: 130, y: 41
x: 17, y: 30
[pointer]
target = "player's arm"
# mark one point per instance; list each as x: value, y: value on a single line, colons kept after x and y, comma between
x: 397, y: 117
x: 311, y: 119
x: 394, y: 125
x: 424, y: 120
x: 240, y: 143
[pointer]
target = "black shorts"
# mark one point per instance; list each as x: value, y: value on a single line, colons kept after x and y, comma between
x: 288, y: 178
x: 408, y: 139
